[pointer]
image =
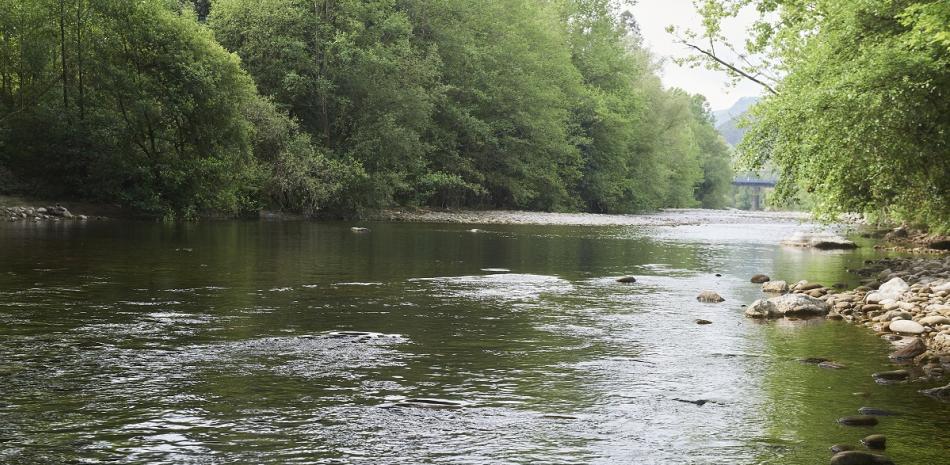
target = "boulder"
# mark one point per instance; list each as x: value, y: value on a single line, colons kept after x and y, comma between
x: 627, y: 280
x: 856, y: 457
x: 787, y: 305
x: 797, y: 304
x: 709, y: 297
x: 703, y: 322
x: 775, y: 287
x: 906, y: 327
x: 760, y: 278
x: 890, y: 290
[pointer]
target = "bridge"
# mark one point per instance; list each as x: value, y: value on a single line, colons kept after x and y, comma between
x: 757, y: 184
x: 753, y: 181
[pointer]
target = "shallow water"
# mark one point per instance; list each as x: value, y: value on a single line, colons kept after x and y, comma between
x: 300, y: 342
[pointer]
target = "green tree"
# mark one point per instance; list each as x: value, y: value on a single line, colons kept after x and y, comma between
x: 861, y: 116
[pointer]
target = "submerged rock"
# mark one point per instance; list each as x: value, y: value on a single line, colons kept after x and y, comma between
x: 703, y: 322
x: 841, y: 448
x: 876, y: 412
x: 358, y: 229
x: 939, y: 393
x: 875, y: 442
x: 627, y: 280
x: 891, y: 376
x: 854, y: 457
x: 760, y: 278
x: 709, y: 297
x: 829, y: 365
x: 858, y: 420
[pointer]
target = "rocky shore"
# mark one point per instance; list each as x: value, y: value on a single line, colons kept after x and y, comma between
x: 904, y: 300
x: 48, y: 213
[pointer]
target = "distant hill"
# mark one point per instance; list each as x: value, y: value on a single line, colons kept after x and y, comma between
x: 726, y: 120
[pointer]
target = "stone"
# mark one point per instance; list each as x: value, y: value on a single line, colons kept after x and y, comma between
x: 906, y: 327
x: 891, y: 376
x: 703, y: 322
x: 934, y: 320
x: 890, y: 290
x: 760, y: 278
x: 800, y: 305
x: 875, y: 442
x: 762, y: 308
x: 627, y: 280
x: 787, y: 305
x: 912, y: 349
x: 856, y: 457
x: 939, y: 393
x: 808, y: 286
x: 709, y: 297
x: 775, y: 287
x: 858, y: 420
x: 358, y: 229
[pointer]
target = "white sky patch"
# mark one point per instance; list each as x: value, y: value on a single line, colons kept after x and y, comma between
x: 654, y: 16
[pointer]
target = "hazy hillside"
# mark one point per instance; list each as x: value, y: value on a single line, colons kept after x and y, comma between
x: 726, y: 120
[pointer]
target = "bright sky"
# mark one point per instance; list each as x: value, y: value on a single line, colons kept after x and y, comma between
x: 654, y: 16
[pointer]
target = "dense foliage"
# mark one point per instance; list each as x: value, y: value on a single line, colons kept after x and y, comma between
x: 186, y: 107
x: 860, y: 119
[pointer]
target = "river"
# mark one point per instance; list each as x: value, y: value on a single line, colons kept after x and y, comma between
x: 236, y: 342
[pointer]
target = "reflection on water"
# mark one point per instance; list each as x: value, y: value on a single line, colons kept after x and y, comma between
x: 302, y: 342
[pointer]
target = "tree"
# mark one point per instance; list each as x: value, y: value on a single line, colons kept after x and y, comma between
x: 861, y: 118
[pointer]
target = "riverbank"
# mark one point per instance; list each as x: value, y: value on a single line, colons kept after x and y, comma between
x: 14, y: 208
x: 903, y: 300
x: 666, y: 217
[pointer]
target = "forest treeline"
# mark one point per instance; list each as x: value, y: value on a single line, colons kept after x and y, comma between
x: 183, y: 108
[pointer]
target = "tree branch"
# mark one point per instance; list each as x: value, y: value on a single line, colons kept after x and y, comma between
x: 730, y: 66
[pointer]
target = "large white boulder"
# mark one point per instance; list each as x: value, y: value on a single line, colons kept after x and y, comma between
x: 891, y: 290
x: 788, y: 305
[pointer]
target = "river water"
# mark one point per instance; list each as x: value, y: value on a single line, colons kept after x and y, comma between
x: 230, y: 342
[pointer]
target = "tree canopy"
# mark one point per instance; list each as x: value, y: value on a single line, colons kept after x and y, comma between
x: 860, y: 114
x: 187, y: 107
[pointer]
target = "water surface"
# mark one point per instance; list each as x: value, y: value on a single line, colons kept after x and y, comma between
x: 231, y: 342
